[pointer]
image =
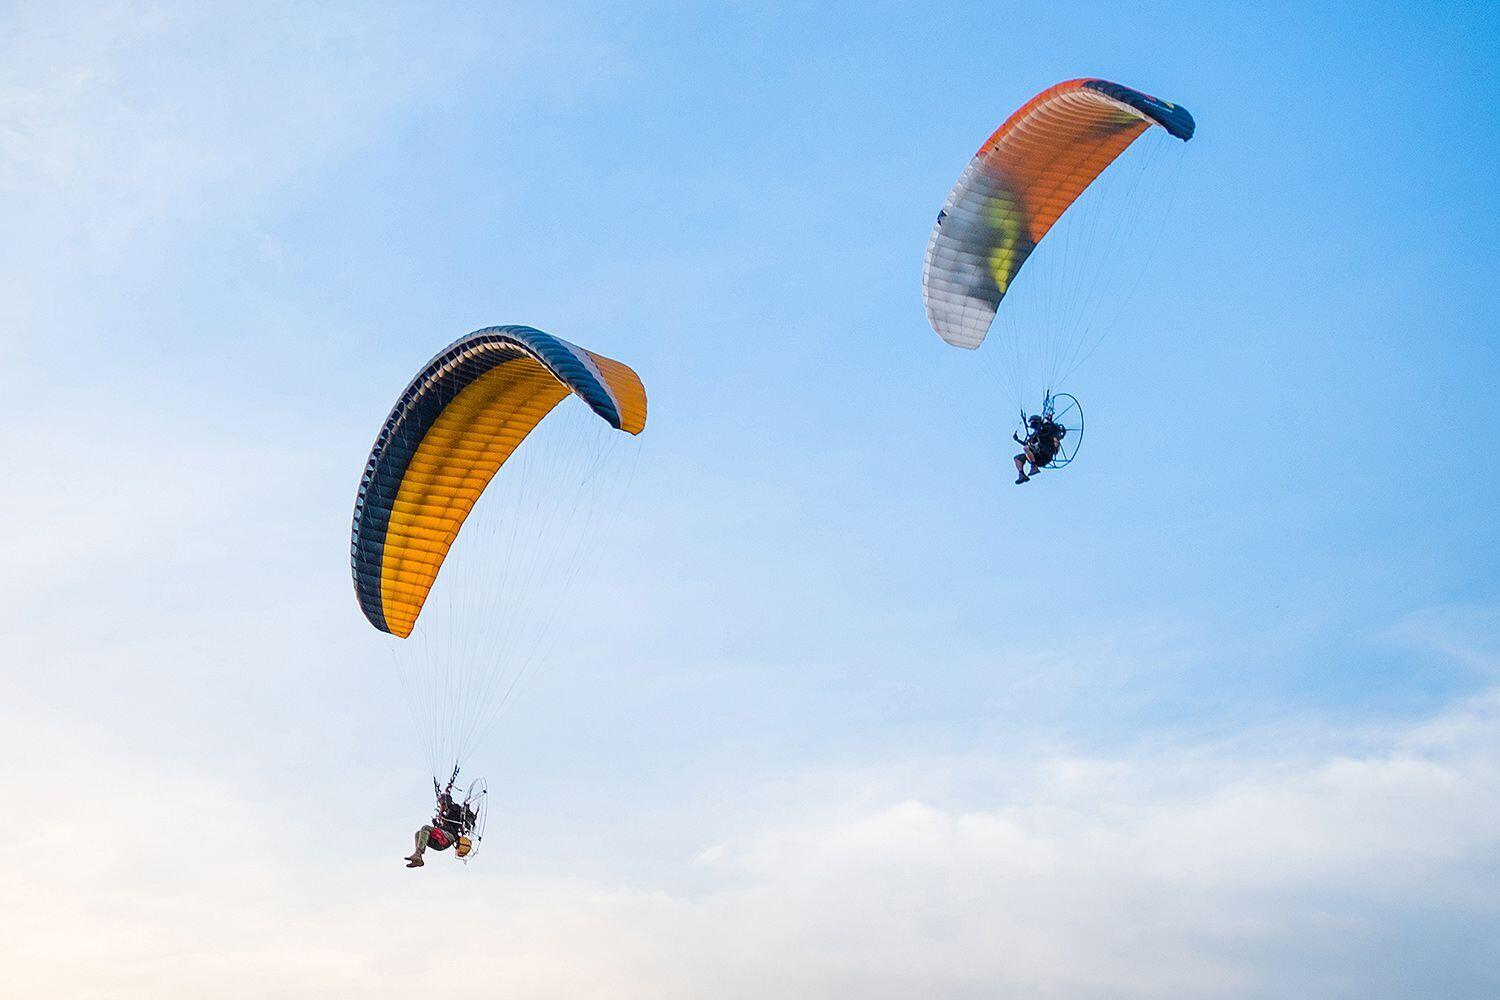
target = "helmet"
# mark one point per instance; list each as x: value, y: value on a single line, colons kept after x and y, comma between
x: 1034, y: 421
x: 463, y: 847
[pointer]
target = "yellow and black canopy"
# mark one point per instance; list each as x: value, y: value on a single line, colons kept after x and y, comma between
x: 447, y: 436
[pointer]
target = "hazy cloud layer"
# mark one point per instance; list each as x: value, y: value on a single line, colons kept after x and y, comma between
x: 1274, y: 867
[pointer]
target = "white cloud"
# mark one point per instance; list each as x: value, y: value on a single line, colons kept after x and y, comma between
x: 1252, y: 870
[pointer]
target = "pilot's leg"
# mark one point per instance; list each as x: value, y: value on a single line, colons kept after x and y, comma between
x: 414, y: 860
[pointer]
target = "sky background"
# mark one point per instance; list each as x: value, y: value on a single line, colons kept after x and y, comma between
x: 810, y: 736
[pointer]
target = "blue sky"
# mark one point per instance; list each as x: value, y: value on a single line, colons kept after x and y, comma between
x: 804, y: 741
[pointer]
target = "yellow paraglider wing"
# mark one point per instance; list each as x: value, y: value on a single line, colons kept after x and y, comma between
x: 447, y: 436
